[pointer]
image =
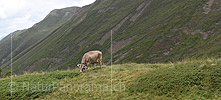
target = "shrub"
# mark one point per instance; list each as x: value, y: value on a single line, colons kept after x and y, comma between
x: 0, y: 72
x: 7, y: 74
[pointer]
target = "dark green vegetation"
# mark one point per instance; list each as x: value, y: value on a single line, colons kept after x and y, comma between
x: 199, y: 80
x: 8, y: 74
x: 195, y: 79
x: 33, y: 85
x: 0, y: 71
x: 143, y: 31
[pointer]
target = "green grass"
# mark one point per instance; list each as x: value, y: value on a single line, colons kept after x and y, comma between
x: 31, y: 86
x: 190, y: 79
x: 196, y: 79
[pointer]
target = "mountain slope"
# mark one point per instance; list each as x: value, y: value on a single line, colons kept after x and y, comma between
x: 23, y: 39
x: 143, y: 31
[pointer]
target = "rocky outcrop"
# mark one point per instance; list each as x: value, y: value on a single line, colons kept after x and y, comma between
x: 207, y: 6
x: 3, y: 61
x: 53, y: 13
x: 202, y: 33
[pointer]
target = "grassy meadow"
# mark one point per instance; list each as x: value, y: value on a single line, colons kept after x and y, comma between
x: 190, y: 79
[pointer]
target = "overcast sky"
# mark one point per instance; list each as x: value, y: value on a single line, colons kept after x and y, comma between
x: 22, y: 14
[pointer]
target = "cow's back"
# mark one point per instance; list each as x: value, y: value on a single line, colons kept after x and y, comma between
x: 92, y: 56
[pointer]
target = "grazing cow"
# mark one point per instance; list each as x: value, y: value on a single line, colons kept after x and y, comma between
x: 90, y: 57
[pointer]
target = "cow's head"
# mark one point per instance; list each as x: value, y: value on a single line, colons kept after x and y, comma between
x: 82, y: 67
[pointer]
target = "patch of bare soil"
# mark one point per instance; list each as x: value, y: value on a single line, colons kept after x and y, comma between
x: 164, y: 44
x: 139, y: 56
x: 116, y: 28
x: 82, y: 18
x: 120, y: 44
x: 207, y: 6
x: 121, y: 56
x: 133, y: 18
x: 166, y: 53
x: 54, y: 60
x: 140, y: 6
x: 202, y: 33
x: 107, y: 9
x: 3, y: 61
x: 81, y: 43
x: 66, y: 50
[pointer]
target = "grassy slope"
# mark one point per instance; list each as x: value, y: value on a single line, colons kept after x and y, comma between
x: 198, y: 79
x: 166, y: 16
x: 31, y: 80
x: 158, y: 30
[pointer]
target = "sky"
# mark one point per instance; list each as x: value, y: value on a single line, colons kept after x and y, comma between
x: 22, y: 14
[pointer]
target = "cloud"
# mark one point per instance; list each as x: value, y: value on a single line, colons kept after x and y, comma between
x: 2, y: 14
x: 21, y: 14
x: 15, y: 23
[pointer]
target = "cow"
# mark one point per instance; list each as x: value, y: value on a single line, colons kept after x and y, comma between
x: 90, y: 57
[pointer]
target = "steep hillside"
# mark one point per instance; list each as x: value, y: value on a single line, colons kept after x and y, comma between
x: 23, y: 39
x: 187, y: 80
x: 143, y: 31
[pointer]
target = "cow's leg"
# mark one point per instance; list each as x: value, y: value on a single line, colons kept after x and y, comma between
x: 100, y: 62
x: 94, y: 66
x: 86, y: 67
